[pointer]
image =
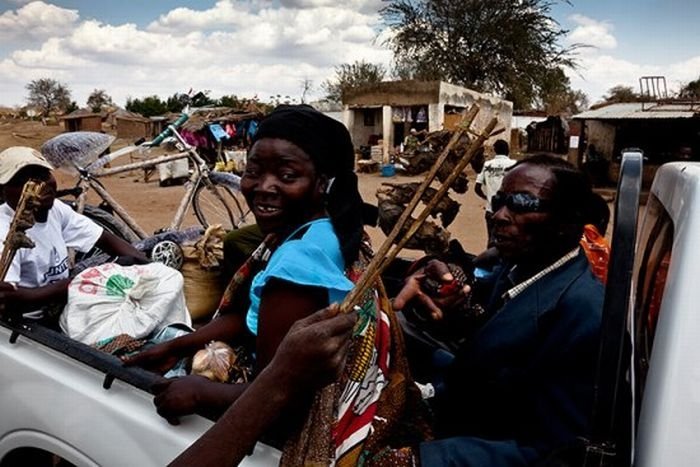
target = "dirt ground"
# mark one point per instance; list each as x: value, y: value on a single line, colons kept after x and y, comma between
x: 153, y: 206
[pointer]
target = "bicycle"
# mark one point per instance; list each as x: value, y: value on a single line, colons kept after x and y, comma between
x: 211, y: 194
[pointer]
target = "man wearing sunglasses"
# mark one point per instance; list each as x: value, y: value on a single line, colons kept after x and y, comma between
x: 521, y: 385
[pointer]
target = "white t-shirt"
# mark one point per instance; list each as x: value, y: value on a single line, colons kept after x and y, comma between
x: 48, y: 261
x: 492, y: 175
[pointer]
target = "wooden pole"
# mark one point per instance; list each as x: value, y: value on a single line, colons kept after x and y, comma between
x: 386, y: 254
x: 21, y: 221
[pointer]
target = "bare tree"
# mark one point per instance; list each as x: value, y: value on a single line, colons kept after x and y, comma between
x: 48, y: 95
x: 307, y: 85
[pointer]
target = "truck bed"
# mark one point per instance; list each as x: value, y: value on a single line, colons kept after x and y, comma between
x: 81, y: 404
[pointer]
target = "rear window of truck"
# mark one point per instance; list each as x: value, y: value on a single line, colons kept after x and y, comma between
x: 656, y: 242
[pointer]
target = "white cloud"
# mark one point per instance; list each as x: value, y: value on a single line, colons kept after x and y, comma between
x: 598, y: 73
x: 600, y: 68
x: 51, y: 55
x: 224, y: 14
x: 235, y: 47
x: 37, y: 20
x: 592, y: 32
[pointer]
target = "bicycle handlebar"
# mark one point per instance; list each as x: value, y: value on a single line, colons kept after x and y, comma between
x: 168, y: 131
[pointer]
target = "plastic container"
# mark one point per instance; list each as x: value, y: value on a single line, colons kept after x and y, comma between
x: 388, y: 170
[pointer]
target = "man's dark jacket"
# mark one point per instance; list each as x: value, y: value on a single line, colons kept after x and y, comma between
x: 524, y: 385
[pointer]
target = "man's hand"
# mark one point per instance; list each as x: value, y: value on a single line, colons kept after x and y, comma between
x: 414, y: 288
x: 11, y: 298
x: 159, y: 359
x: 180, y: 396
x: 313, y: 351
x: 6, y: 293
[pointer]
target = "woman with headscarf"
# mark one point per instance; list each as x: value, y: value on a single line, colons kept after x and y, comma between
x: 300, y: 185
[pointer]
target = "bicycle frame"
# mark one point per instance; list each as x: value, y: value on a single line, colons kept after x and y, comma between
x: 89, y: 178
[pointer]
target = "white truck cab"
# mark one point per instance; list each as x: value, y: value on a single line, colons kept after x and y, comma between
x: 666, y: 311
x: 647, y: 406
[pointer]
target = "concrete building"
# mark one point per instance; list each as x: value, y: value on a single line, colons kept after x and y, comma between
x: 665, y: 130
x: 388, y: 110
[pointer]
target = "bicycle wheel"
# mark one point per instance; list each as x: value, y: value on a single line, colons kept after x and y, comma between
x: 217, y: 204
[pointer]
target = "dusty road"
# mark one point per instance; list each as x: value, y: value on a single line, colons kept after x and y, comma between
x: 153, y: 206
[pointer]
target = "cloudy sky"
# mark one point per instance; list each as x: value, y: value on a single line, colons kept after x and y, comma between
x: 266, y: 47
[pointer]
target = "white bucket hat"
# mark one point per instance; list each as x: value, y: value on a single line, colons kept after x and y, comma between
x: 13, y: 159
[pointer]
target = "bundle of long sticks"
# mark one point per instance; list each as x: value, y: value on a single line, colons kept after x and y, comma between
x: 22, y: 220
x: 391, y: 247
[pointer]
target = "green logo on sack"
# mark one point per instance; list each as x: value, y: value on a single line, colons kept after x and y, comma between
x: 117, y: 285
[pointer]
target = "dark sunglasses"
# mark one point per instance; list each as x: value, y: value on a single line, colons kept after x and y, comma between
x: 519, y: 202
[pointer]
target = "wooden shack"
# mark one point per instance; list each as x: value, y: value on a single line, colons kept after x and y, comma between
x: 133, y: 126
x: 665, y: 130
x: 82, y: 120
x: 550, y: 136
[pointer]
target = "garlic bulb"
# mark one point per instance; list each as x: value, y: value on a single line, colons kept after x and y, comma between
x: 214, y: 362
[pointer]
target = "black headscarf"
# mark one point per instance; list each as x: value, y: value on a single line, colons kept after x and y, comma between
x: 328, y: 143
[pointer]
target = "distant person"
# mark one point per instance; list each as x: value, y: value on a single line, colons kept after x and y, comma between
x: 684, y: 153
x: 596, y: 166
x: 410, y: 142
x: 489, y: 179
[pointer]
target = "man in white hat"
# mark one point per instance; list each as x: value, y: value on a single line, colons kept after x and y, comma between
x: 39, y: 276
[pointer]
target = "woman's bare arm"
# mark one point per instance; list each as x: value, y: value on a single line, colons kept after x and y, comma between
x: 309, y: 356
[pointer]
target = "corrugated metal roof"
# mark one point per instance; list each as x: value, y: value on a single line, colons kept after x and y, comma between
x: 639, y: 110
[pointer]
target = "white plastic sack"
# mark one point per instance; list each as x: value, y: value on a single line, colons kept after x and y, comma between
x: 108, y: 300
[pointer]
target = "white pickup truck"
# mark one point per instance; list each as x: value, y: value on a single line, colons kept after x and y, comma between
x: 65, y: 398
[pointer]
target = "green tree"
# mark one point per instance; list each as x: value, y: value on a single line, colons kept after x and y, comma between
x: 71, y: 107
x: 690, y: 90
x: 556, y: 97
x: 49, y: 95
x: 621, y: 93
x: 499, y: 46
x: 232, y: 101
x: 351, y: 75
x: 149, y: 106
x: 178, y: 101
x: 98, y: 99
